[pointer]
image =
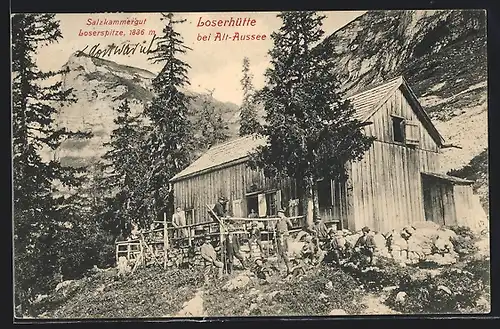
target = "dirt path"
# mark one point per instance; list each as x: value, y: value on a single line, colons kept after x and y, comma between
x: 193, y: 307
x: 374, y: 305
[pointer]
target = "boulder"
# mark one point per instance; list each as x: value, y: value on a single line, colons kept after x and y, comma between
x: 426, y: 233
x: 398, y: 246
x: 443, y: 245
x: 39, y: 298
x: 441, y: 260
x: 446, y: 234
x: 295, y: 248
x: 353, y: 238
x: 420, y: 245
x: 253, y: 307
x: 271, y: 295
x: 400, y: 297
x: 237, y: 283
x: 64, y: 284
x: 425, y: 225
x: 389, y: 288
x: 445, y: 289
x: 322, y: 295
x: 379, y: 241
x: 483, y: 246
x: 300, y: 236
x: 337, y: 312
x: 253, y: 292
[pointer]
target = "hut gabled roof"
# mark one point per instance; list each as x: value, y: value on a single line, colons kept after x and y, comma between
x: 222, y: 155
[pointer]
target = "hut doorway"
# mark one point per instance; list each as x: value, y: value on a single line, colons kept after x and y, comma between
x: 252, y: 204
x: 438, y: 200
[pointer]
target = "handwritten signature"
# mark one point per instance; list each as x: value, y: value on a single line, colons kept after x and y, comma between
x: 124, y: 49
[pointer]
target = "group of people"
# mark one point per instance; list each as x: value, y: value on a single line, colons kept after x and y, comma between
x: 332, y: 248
x: 322, y: 245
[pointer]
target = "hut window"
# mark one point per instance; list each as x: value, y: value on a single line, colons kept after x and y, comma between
x: 252, y: 204
x: 398, y: 129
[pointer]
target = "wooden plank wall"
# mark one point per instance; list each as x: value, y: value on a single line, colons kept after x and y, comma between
x: 233, y: 182
x: 387, y: 189
x: 397, y: 105
x: 465, y: 209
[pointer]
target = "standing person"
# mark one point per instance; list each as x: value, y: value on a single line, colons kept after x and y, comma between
x: 220, y: 207
x: 282, y: 238
x: 255, y: 236
x: 209, y: 256
x: 179, y: 219
x: 233, y: 250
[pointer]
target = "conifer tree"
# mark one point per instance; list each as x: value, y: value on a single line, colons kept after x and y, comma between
x: 213, y: 128
x: 311, y: 131
x: 170, y: 141
x: 34, y: 101
x: 248, y: 112
x: 125, y: 156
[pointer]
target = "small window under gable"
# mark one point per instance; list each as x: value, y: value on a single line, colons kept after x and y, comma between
x: 398, y: 129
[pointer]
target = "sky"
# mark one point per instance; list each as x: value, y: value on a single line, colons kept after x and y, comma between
x: 215, y: 65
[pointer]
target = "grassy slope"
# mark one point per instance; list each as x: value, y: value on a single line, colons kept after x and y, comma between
x: 156, y: 293
x: 153, y: 292
x: 296, y: 296
x: 146, y: 293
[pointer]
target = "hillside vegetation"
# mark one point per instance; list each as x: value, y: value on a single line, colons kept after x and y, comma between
x: 387, y: 287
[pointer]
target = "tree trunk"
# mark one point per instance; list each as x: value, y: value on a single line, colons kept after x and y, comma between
x: 309, y: 202
x: 315, y: 201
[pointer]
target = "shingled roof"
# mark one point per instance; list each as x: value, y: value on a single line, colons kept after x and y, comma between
x: 369, y: 100
x: 365, y: 103
x: 224, y: 154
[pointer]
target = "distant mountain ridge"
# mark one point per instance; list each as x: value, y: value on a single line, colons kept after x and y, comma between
x: 99, y: 86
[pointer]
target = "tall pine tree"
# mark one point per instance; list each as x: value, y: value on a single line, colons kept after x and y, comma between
x: 34, y: 101
x: 210, y: 123
x: 311, y: 130
x: 171, y: 141
x: 248, y: 111
x: 125, y: 162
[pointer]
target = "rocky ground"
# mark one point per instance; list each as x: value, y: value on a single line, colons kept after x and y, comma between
x: 390, y: 286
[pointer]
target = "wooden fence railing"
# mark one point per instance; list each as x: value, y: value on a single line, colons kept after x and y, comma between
x: 156, y: 243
